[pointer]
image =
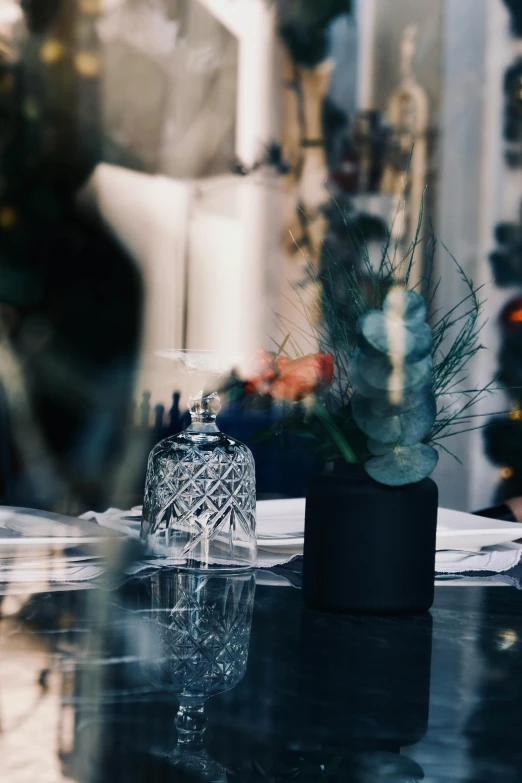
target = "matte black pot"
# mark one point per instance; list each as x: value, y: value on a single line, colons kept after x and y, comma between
x: 369, y: 548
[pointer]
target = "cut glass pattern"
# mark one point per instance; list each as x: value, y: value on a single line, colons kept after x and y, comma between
x: 199, y: 508
x: 200, y: 635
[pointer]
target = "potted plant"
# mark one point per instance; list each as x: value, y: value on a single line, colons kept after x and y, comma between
x: 384, y: 492
x: 376, y: 402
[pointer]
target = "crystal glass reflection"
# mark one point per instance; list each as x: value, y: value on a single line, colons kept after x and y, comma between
x: 199, y: 505
x: 201, y: 633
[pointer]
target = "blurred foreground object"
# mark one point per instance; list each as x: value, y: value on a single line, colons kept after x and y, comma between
x: 75, y: 293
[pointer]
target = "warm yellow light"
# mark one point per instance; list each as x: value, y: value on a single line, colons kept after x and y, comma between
x: 52, y: 51
x: 7, y: 217
x: 6, y: 83
x: 506, y: 472
x: 87, y: 64
x: 516, y: 315
x: 90, y: 6
x: 515, y: 414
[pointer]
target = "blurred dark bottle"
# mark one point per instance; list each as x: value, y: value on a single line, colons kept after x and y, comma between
x: 506, y: 260
x: 503, y: 434
x: 513, y: 113
x: 73, y: 296
x: 361, y: 167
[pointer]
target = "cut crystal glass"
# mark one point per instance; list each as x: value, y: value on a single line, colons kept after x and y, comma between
x: 199, y: 508
x: 200, y: 637
x: 201, y: 630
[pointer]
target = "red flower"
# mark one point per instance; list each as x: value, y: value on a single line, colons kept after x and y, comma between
x: 291, y: 380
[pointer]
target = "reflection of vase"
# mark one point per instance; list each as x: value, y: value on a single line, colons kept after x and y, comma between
x: 366, y: 682
x: 201, y: 634
x: 369, y: 548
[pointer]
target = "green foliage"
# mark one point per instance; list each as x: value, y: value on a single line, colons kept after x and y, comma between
x: 371, y: 320
x: 310, y: 425
x: 393, y: 365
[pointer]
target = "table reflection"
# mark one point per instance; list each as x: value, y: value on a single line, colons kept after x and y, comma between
x: 134, y: 667
x: 201, y: 631
x: 326, y: 697
x: 92, y: 681
x: 171, y: 636
x: 367, y: 687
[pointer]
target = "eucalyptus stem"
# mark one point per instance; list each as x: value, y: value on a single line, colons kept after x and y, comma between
x: 334, y: 432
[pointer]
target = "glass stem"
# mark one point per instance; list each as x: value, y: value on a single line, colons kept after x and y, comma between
x: 191, y: 723
x: 203, y: 411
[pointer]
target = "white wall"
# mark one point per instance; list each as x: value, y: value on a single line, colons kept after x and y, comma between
x: 472, y: 199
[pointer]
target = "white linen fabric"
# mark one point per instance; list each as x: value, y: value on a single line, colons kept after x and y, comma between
x: 280, y: 526
x: 280, y: 530
x: 128, y: 522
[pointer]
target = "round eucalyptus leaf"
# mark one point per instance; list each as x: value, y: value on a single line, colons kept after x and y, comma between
x: 382, y: 406
x: 385, y: 429
x: 403, y: 429
x: 379, y: 335
x: 378, y: 449
x: 371, y: 333
x: 403, y: 465
x: 417, y: 422
x: 359, y: 382
x: 380, y: 374
x: 422, y: 342
x: 406, y: 305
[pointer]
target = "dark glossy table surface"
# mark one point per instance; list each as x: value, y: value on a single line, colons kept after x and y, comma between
x: 91, y: 682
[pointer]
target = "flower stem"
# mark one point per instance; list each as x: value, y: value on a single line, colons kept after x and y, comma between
x: 334, y: 432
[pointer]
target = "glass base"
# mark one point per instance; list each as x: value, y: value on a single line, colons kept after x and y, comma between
x: 155, y: 552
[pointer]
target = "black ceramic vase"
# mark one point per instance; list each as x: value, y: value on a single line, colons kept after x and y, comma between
x: 369, y: 548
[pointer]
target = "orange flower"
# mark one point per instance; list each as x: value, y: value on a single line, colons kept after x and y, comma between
x: 301, y: 377
x: 287, y: 379
x: 265, y: 373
